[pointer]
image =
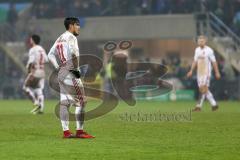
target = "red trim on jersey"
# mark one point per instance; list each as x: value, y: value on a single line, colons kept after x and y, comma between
x: 79, y: 93
x: 41, y: 65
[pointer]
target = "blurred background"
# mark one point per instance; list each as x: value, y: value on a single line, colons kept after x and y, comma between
x: 162, y: 31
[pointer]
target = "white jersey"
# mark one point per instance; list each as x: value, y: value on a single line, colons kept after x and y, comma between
x: 37, y: 57
x: 61, y: 55
x: 204, y: 57
x: 63, y: 49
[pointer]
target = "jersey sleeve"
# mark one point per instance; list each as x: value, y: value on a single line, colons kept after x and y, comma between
x: 212, y: 56
x: 195, y: 55
x: 73, y: 46
x: 52, y: 57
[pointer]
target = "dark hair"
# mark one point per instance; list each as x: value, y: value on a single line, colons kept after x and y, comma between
x: 36, y: 38
x: 70, y: 20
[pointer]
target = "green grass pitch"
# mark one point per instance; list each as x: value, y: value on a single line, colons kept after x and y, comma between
x: 209, y: 135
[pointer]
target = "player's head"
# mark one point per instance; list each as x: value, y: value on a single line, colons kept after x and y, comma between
x: 72, y: 24
x: 35, y: 39
x: 202, y: 40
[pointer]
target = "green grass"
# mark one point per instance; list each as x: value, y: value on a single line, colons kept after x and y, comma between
x: 210, y: 135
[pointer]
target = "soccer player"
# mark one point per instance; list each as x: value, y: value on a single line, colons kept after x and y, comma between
x: 204, y: 59
x: 34, y: 83
x: 64, y: 55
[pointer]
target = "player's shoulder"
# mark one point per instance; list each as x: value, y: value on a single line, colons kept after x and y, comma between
x: 197, y: 49
x: 62, y: 38
x: 41, y: 48
x: 209, y: 49
x: 37, y: 46
x: 70, y: 36
x: 66, y: 37
x: 32, y: 49
x: 36, y: 49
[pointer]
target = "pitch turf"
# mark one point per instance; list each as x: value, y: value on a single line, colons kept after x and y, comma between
x: 209, y: 135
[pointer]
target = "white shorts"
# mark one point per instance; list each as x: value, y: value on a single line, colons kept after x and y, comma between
x: 203, y: 81
x: 34, y: 82
x: 39, y: 73
x: 71, y: 91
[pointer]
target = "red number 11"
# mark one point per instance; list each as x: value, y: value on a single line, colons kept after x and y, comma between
x: 60, y: 53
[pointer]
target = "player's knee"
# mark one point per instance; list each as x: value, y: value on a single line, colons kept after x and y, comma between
x: 78, y: 110
x: 206, y: 89
x: 203, y: 89
x: 64, y: 103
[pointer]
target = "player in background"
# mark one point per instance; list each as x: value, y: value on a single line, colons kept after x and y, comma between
x: 34, y: 83
x: 64, y: 55
x: 204, y: 60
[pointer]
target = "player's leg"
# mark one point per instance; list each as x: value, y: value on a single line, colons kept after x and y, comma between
x: 202, y: 93
x: 40, y: 95
x: 80, y: 133
x: 79, y: 111
x: 37, y: 107
x: 65, y: 103
x: 79, y: 115
x: 201, y: 99
x: 28, y: 90
x: 41, y: 101
x: 211, y: 99
x: 64, y: 116
x: 28, y: 86
x: 79, y: 103
x: 40, y: 98
x: 30, y: 93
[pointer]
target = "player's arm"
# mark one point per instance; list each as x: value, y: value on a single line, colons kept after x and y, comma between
x: 216, y: 70
x: 75, y: 62
x: 215, y: 65
x: 74, y: 51
x: 52, y: 57
x: 30, y: 68
x: 193, y: 66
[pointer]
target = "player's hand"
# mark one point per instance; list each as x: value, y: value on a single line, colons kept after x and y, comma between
x: 217, y: 75
x: 76, y: 73
x: 189, y: 74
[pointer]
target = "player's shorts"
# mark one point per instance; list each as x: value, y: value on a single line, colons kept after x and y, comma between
x: 39, y: 73
x: 71, y: 89
x: 33, y: 82
x: 203, y: 81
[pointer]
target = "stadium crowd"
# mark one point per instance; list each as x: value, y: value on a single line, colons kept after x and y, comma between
x: 227, y: 10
